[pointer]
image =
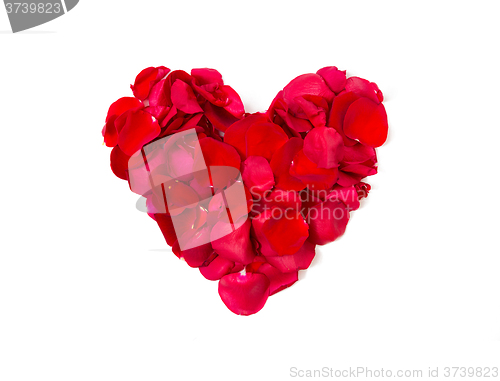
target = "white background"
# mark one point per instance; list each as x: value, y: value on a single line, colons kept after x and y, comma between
x: 89, y: 289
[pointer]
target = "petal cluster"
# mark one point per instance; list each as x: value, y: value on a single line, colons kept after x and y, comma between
x: 245, y: 198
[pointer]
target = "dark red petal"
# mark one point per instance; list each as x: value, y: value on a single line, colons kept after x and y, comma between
x: 119, y: 163
x: 183, y: 98
x: 286, y: 231
x: 334, y: 78
x: 244, y: 294
x: 217, y: 268
x: 327, y: 221
x: 301, y: 260
x: 281, y: 163
x: 235, y: 246
x: 366, y: 121
x: 278, y: 280
x: 257, y: 174
x: 324, y: 146
x: 235, y: 134
x: 308, y: 172
x: 363, y: 88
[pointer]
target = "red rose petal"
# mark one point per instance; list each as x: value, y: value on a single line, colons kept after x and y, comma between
x: 300, y: 260
x: 146, y: 79
x: 363, y: 88
x: 334, y: 78
x: 308, y: 172
x: 348, y: 195
x: 217, y: 268
x: 116, y: 109
x: 234, y: 104
x: 137, y: 129
x: 121, y: 105
x: 179, y: 196
x: 196, y: 256
x: 278, y: 280
x: 337, y: 114
x: 306, y: 84
x: 327, y: 221
x: 244, y: 294
x: 206, y: 76
x: 314, y: 109
x: 235, y: 246
x: 158, y: 95
x: 287, y: 200
x: 257, y: 174
x: 216, y: 154
x: 281, y: 163
x: 119, y: 163
x: 263, y: 139
x: 220, y: 118
x: 366, y: 121
x: 297, y: 124
x: 324, y: 146
x: 359, y: 153
x: 235, y: 135
x: 183, y: 98
x: 363, y: 189
x: 257, y: 224
x: 286, y: 232
x: 167, y: 228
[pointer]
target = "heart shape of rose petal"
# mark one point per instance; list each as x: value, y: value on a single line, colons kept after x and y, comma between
x: 245, y: 198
